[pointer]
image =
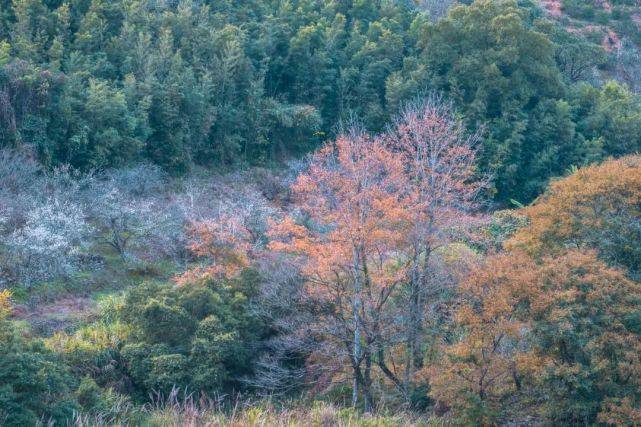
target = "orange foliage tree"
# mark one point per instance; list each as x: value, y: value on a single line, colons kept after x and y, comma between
x: 550, y: 315
x: 357, y: 217
x: 597, y: 207
x: 567, y: 328
x: 224, y: 245
x: 477, y: 372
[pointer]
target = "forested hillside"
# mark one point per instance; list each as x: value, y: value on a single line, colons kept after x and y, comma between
x: 320, y: 212
x: 98, y: 84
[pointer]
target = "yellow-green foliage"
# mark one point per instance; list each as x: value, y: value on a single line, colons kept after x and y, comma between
x: 92, y: 338
x: 5, y: 303
x: 107, y: 334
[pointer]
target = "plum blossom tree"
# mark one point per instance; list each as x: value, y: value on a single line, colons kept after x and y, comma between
x: 43, y: 227
x: 20, y: 179
x: 123, y: 220
x: 131, y: 213
x: 629, y: 64
x: 49, y: 242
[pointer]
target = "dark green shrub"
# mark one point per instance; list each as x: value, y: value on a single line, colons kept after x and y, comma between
x: 198, y: 337
x: 34, y: 384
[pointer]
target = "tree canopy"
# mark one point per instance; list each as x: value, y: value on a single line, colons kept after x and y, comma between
x: 100, y: 84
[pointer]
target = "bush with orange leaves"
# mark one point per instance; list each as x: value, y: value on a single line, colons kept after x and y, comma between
x: 224, y: 243
x: 481, y: 369
x: 597, y: 207
x: 563, y: 333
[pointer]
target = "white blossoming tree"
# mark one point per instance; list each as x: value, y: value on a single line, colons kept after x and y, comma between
x: 49, y: 244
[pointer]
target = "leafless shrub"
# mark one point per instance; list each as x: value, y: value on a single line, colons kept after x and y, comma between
x: 629, y: 65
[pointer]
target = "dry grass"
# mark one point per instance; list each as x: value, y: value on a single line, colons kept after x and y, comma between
x: 189, y: 412
x: 325, y: 415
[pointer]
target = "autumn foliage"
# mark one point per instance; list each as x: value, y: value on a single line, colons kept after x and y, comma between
x: 353, y: 194
x: 596, y: 207
x: 370, y: 212
x: 556, y: 318
x: 548, y: 328
x: 5, y: 303
x: 563, y: 327
x: 225, y: 246
x: 479, y: 371
x: 358, y: 215
x: 339, y: 212
x: 549, y: 319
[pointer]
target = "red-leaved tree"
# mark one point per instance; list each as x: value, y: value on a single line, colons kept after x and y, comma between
x: 355, y: 217
x: 224, y: 244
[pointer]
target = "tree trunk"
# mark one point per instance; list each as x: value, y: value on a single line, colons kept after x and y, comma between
x: 367, y: 383
x: 417, y: 326
x: 414, y: 357
x: 357, y: 304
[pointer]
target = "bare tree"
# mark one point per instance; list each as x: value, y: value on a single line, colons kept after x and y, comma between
x: 284, y: 305
x: 440, y: 156
x: 629, y: 64
x: 130, y: 210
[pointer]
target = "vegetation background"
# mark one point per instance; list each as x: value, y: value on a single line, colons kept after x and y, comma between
x: 350, y: 212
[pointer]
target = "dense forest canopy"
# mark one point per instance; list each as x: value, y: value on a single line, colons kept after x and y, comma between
x: 98, y: 84
x: 320, y: 212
